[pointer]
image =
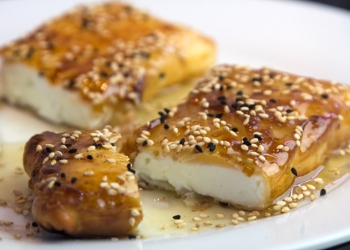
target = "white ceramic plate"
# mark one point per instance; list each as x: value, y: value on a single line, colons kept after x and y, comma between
x: 296, y: 37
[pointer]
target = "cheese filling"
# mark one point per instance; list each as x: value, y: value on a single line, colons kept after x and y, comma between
x: 227, y: 184
x: 23, y: 86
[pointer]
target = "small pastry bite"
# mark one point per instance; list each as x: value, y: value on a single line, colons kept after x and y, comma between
x: 81, y: 185
x: 101, y: 64
x: 242, y: 136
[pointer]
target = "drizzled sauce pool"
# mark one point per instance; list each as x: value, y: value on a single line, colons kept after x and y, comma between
x: 165, y: 213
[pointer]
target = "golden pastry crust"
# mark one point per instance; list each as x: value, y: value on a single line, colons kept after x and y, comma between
x: 81, y: 185
x: 259, y: 121
x: 112, y: 54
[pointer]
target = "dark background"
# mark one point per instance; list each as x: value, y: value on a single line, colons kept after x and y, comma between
x: 345, y: 4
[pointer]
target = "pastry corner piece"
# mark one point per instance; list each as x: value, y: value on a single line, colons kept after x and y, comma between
x: 81, y: 186
x: 243, y: 135
x: 98, y: 63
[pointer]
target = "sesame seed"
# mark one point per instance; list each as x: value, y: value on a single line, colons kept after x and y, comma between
x: 207, y: 223
x: 89, y: 173
x: 63, y: 161
x: 220, y: 225
x: 111, y: 160
x: 79, y: 156
x: 262, y: 158
x: 288, y: 199
x: 234, y: 222
x: 252, y: 218
x: 39, y: 148
x: 220, y: 216
x: 281, y: 203
x: 318, y: 180
x: 293, y: 205
x: 244, y: 147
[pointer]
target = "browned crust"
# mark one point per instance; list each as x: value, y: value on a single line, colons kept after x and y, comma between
x: 87, y: 193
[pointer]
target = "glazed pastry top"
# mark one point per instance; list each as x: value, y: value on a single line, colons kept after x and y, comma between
x: 109, y: 51
x: 253, y: 120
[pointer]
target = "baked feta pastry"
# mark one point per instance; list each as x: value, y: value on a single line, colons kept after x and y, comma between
x: 100, y: 64
x: 243, y: 136
x: 81, y: 185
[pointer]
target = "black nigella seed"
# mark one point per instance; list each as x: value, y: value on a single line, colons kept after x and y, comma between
x: 73, y: 180
x: 234, y: 105
x: 224, y: 204
x: 244, y: 105
x: 210, y: 115
x: 182, y: 141
x: 258, y: 137
x: 132, y: 237
x: 48, y: 150
x: 210, y: 144
x: 223, y: 102
x: 222, y: 97
x: 68, y: 145
x: 251, y: 106
x: 112, y: 144
x: 104, y: 74
x: 221, y: 88
x: 166, y: 126
x: 258, y: 79
x: 288, y: 84
x: 71, y: 83
x: 199, y: 149
x: 97, y: 145
x: 144, y: 143
x: 166, y: 110
x: 289, y: 110
x: 247, y: 143
x: 238, y: 99
x: 34, y: 224
x: 240, y: 92
x: 89, y: 157
x: 129, y: 166
x: 219, y: 115
x: 177, y: 217
x: 163, y: 118
x: 212, y: 148
x: 30, y: 52
x: 72, y: 151
x: 234, y: 129
x: 57, y: 184
x: 221, y: 78
x: 63, y: 175
x: 324, y: 96
x: 323, y: 192
x: 294, y: 171
x: 126, y: 74
x: 273, y: 100
x: 161, y: 113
